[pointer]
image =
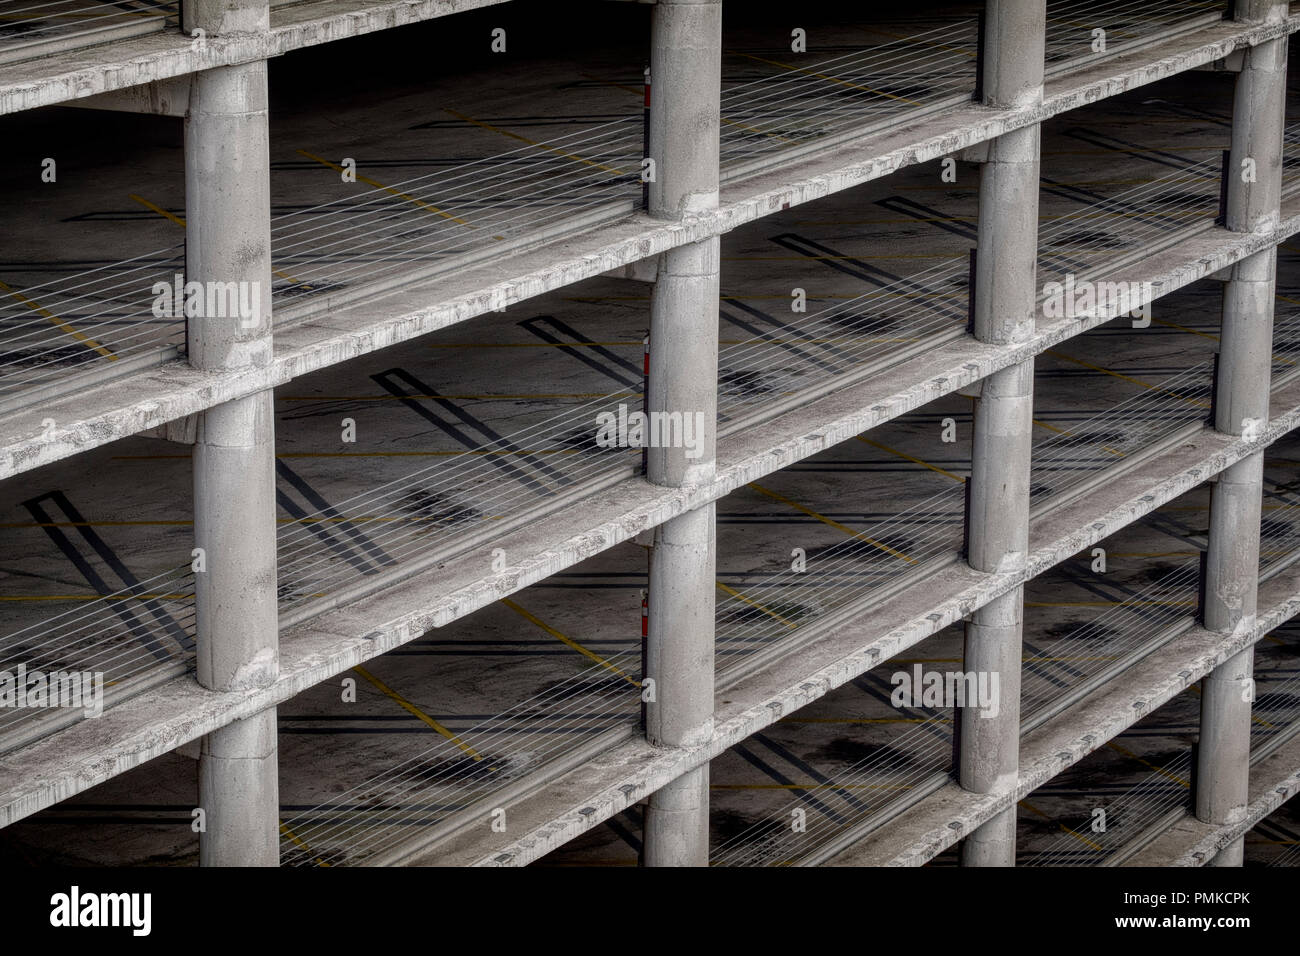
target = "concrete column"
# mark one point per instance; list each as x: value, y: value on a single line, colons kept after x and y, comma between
x: 228, y: 251
x: 1006, y: 293
x: 686, y: 70
x: 1241, y: 404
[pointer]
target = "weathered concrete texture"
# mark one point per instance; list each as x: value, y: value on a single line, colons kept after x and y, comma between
x: 999, y: 494
x: 1223, y: 758
x: 1246, y: 344
x: 239, y: 794
x: 684, y: 362
x: 1242, y: 397
x: 679, y: 649
x: 228, y: 245
x: 115, y: 409
x: 677, y: 822
x: 75, y: 74
x: 234, y: 525
x: 576, y: 802
x: 987, y: 761
x: 1014, y: 38
x: 228, y: 209
x: 940, y: 820
x: 1253, y: 195
x: 1190, y: 842
x: 160, y: 720
x: 1006, y: 293
x: 118, y: 407
x: 1232, y: 560
x: 685, y: 76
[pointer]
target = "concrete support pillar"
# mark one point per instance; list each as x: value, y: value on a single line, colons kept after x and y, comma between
x: 1241, y: 404
x: 228, y: 253
x: 686, y: 65
x: 1006, y: 293
x: 686, y: 72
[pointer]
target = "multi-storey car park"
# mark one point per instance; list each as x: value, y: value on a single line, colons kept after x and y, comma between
x: 973, y: 329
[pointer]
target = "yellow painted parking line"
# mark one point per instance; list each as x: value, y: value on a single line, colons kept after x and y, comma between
x: 388, y: 189
x: 1146, y: 763
x: 180, y: 221
x: 1260, y: 720
x: 895, y: 451
x: 297, y: 841
x: 410, y: 708
x: 1127, y: 378
x: 1183, y: 328
x: 158, y: 209
x: 525, y: 139
x: 590, y: 655
x: 823, y: 76
x: 58, y: 323
x: 1074, y: 833
x: 832, y: 522
x: 740, y: 597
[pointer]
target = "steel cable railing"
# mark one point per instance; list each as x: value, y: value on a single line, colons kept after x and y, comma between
x: 1071, y: 26
x: 765, y: 616
x: 560, y: 452
x: 27, y: 27
x: 405, y: 523
x: 1155, y: 798
x: 1102, y: 646
x: 737, y: 633
x: 603, y: 697
x: 394, y: 234
x: 921, y: 758
x: 136, y: 632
